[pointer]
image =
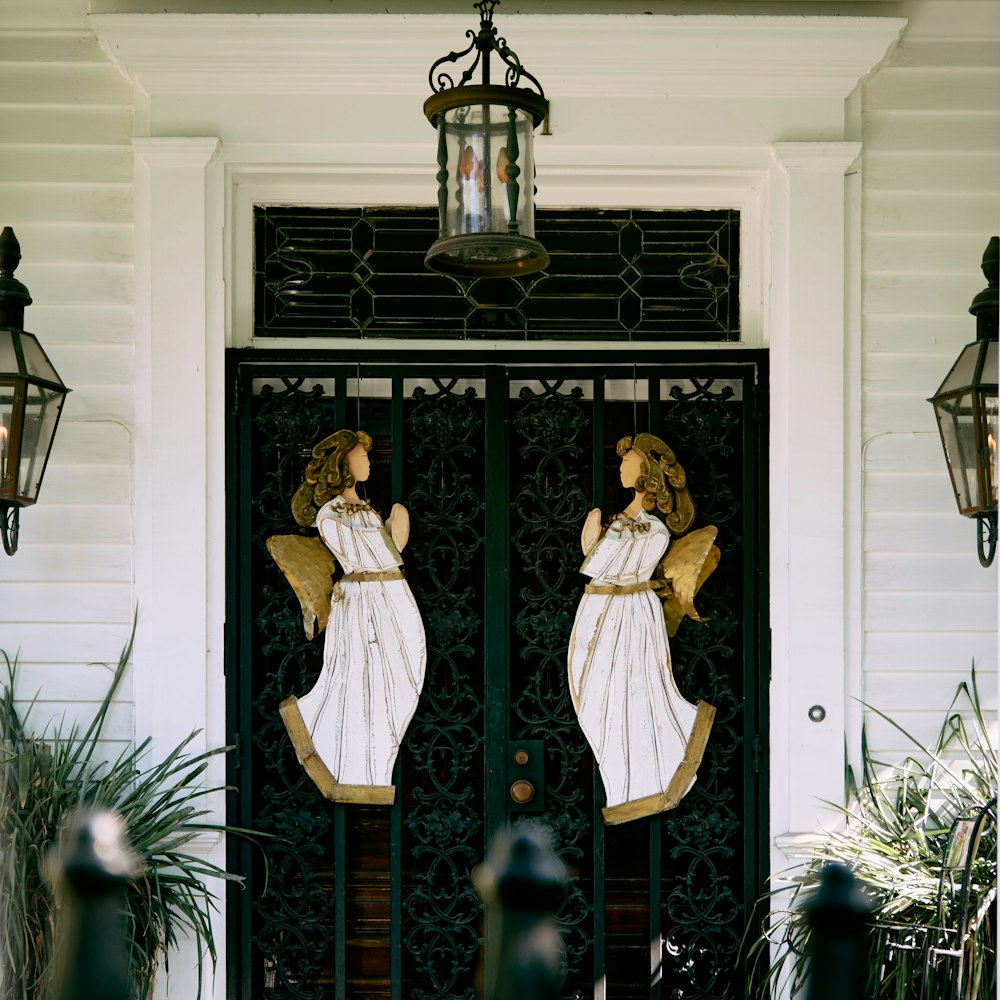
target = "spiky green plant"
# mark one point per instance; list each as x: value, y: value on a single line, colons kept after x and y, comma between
x: 893, y: 835
x: 45, y: 776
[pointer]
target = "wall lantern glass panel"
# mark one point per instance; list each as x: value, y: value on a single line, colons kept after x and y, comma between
x: 485, y: 158
x: 965, y: 406
x: 31, y: 399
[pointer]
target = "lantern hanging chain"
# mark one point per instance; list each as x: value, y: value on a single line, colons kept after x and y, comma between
x: 485, y: 41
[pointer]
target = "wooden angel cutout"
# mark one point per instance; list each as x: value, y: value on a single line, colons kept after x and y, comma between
x: 647, y: 739
x: 348, y: 729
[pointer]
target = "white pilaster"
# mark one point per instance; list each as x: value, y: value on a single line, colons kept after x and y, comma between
x: 808, y: 342
x: 172, y: 242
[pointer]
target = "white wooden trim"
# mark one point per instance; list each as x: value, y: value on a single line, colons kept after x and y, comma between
x: 716, y: 139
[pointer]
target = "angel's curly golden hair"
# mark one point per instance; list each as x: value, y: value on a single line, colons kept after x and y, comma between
x: 662, y: 480
x: 327, y: 474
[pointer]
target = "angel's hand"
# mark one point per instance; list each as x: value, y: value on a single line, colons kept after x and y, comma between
x: 591, y: 533
x: 398, y: 525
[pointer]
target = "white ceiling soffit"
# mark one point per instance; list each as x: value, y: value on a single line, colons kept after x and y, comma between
x: 583, y: 55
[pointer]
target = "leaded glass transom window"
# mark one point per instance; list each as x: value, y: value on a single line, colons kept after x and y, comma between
x: 624, y: 274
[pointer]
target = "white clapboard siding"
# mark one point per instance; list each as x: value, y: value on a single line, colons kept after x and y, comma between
x: 66, y: 187
x: 931, y: 177
x: 48, y: 716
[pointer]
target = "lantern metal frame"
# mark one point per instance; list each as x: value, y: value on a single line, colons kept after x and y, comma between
x: 34, y: 376
x: 458, y: 254
x: 973, y: 378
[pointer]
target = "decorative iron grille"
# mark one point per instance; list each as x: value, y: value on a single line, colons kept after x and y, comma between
x: 499, y: 464
x: 614, y: 275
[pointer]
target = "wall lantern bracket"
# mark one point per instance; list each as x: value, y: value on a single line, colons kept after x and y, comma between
x: 31, y: 399
x: 485, y: 159
x: 965, y: 406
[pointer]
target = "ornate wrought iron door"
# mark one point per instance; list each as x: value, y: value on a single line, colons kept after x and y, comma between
x: 499, y: 462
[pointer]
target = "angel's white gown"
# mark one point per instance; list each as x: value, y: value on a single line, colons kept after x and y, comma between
x: 374, y: 654
x: 635, y: 719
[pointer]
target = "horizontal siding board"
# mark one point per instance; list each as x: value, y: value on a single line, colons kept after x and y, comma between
x: 66, y: 202
x: 947, y: 53
x: 932, y: 171
x: 960, y: 19
x: 923, y: 292
x: 84, y: 563
x: 894, y: 611
x: 942, y: 253
x: 86, y: 524
x: 75, y: 242
x: 86, y: 364
x: 74, y: 324
x: 930, y: 130
x: 87, y: 642
x: 900, y: 412
x: 921, y: 651
x: 101, y: 443
x: 57, y: 163
x: 49, y: 716
x: 904, y: 453
x: 107, y: 403
x: 951, y: 573
x: 942, y: 531
x: 890, y: 745
x: 929, y: 687
x: 885, y: 372
x: 108, y: 124
x: 70, y: 682
x: 77, y: 483
x: 910, y: 212
x: 934, y: 88
x: 50, y: 47
x: 913, y: 492
x: 79, y: 284
x: 65, y: 602
x: 87, y: 83
x: 903, y: 332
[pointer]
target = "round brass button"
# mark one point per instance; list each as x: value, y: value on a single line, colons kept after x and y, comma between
x: 522, y: 792
x: 521, y: 757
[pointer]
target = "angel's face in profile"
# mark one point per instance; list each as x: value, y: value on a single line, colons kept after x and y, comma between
x: 631, y: 468
x: 358, y: 464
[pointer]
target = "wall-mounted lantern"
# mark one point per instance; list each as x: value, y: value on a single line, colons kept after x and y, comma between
x: 31, y: 399
x: 966, y: 411
x: 486, y: 163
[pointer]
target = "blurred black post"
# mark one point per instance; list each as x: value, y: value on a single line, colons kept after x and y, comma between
x: 90, y: 871
x: 523, y: 884
x: 840, y: 917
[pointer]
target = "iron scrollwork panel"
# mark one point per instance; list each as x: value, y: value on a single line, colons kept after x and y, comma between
x: 444, y: 760
x: 554, y: 431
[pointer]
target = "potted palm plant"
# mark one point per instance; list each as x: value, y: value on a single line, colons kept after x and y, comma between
x: 44, y: 777
x: 920, y: 838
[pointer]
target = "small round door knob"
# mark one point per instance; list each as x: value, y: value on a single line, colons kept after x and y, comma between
x: 522, y: 792
x: 521, y: 757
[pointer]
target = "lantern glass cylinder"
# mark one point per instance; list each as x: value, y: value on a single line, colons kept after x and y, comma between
x: 486, y: 192
x: 966, y: 411
x: 30, y: 405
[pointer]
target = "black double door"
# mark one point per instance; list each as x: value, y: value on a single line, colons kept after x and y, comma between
x: 498, y: 462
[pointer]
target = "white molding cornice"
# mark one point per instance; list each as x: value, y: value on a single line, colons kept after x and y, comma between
x: 713, y: 56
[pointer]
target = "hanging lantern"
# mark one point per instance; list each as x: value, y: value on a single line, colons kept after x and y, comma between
x: 31, y: 399
x: 486, y: 164
x: 966, y: 409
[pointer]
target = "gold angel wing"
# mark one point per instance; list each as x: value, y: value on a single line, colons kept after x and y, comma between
x: 689, y: 562
x: 308, y: 566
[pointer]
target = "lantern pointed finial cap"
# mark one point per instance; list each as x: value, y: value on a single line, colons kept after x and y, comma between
x: 13, y: 294
x: 987, y: 300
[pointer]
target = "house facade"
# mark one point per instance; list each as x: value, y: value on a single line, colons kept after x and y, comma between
x: 859, y: 144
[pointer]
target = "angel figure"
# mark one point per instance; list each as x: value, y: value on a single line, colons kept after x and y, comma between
x: 647, y: 739
x: 348, y: 729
